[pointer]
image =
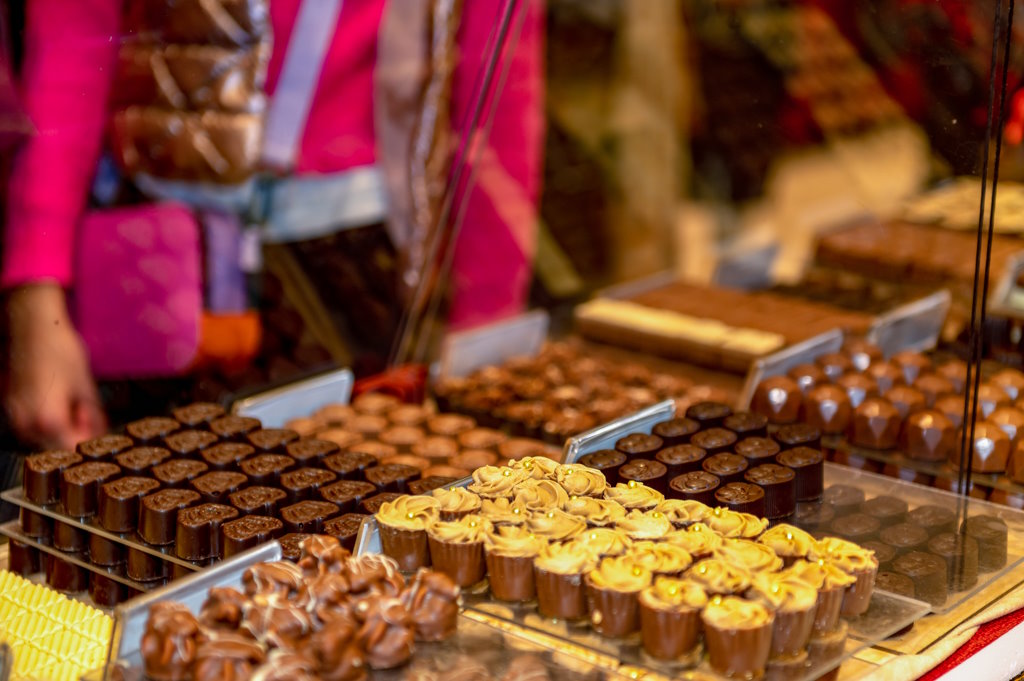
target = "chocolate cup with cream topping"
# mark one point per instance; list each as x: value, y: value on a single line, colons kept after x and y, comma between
x: 562, y: 596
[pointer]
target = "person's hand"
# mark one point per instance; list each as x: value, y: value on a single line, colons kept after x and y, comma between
x: 50, y: 395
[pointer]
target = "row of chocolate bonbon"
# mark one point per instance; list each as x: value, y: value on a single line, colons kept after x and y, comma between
x: 924, y: 544
x: 910, y: 403
x: 563, y: 391
x: 625, y: 559
x: 330, y: 616
x: 718, y: 457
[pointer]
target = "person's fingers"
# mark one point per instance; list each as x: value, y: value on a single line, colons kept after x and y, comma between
x: 48, y: 424
x: 88, y: 420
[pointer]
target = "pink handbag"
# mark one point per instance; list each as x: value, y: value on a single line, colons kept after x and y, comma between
x: 138, y: 297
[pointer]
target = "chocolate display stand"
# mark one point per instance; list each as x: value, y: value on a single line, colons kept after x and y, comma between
x: 276, y: 406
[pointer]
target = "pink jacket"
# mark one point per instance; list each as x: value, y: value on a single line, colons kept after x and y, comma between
x: 71, y: 51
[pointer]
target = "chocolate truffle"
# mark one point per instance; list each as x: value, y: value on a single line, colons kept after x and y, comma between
x: 64, y: 576
x: 248, y: 532
x: 807, y: 376
x: 197, y: 414
x: 425, y: 485
x: 798, y: 435
x: 349, y: 465
x: 675, y: 431
x: 778, y: 398
x: 291, y: 545
x: 303, y: 483
x: 834, y: 365
x: 809, y: 468
x: 714, y: 440
x: 779, y: 484
x: 727, y: 467
x: 22, y: 559
x: 266, y: 469
x: 104, y: 447
x: 813, y: 516
x: 858, y: 387
x: 862, y: 353
x: 639, y: 445
x: 990, y: 451
x: 856, y: 527
x: 895, y: 583
x: 887, y: 510
x: 271, y: 439
x: 233, y: 427
x: 929, y: 436
x: 79, y: 486
x: 747, y: 424
x: 215, y: 487
x: 345, y: 528
x: 145, y: 567
x: 140, y: 460
x: 105, y: 552
x: 449, y: 425
x: 960, y: 552
x: 886, y: 375
x: 990, y: 398
x: 742, y: 497
x: 188, y: 443
x: 151, y: 430
x: 607, y: 461
x: 226, y: 455
x: 257, y: 500
x: 933, y: 386
x: 159, y: 514
x: 42, y: 472
x: 308, y: 516
x: 106, y: 592
x: 845, y: 499
x: 828, y: 408
x: 393, y: 477
x: 876, y: 424
x: 198, y: 534
x: 347, y: 494
x: 934, y: 519
x: 178, y: 472
x: 906, y: 399
x: 952, y: 407
x: 69, y: 538
x: 678, y: 459
x: 119, y: 502
x: 650, y: 473
x: 372, y: 505
x: 955, y: 371
x: 309, y: 451
x: 697, y: 486
x: 1011, y: 420
x: 1011, y: 381
x: 912, y: 364
x: 905, y: 537
x: 990, y: 533
x: 708, y: 414
x: 884, y: 553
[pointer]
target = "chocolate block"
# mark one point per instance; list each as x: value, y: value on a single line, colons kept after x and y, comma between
x: 424, y: 485
x: 22, y: 559
x: 249, y: 532
x: 844, y: 499
x: 308, y: 516
x: 291, y: 545
x: 271, y: 439
x: 159, y: 514
x: 808, y: 465
x: 393, y: 477
x: 727, y: 467
x: 798, y: 435
x: 677, y: 459
x: 258, y: 500
x: 813, y: 516
x: 779, y: 398
x: 990, y: 532
x: 757, y: 449
x: 675, y: 431
x: 779, y: 485
x: 152, y: 429
x: 708, y: 414
x: 226, y: 455
x: 348, y: 494
x: 197, y: 534
x: 646, y: 471
x: 696, y: 485
x: 79, y: 486
x: 310, y: 452
x: 372, y: 505
x: 639, y: 445
x: 140, y: 460
x: 884, y: 553
x: 741, y: 497
x: 35, y: 525
x: 64, y: 576
x: 856, y: 527
x: 934, y: 519
x: 828, y: 408
x: 895, y: 583
x: 607, y: 461
x: 69, y: 538
x: 232, y: 427
x: 104, y: 552
x: 42, y: 472
x: 187, y: 444
x: 119, y: 502
x: 179, y: 473
x: 144, y: 567
x: 105, y: 591
x: 214, y: 487
x: 104, y: 447
x: 197, y: 414
x: 714, y: 440
x: 266, y: 469
x: 747, y: 424
x: 303, y: 483
x: 904, y: 538
x: 960, y: 551
x: 345, y: 528
x: 888, y: 510
x: 349, y: 465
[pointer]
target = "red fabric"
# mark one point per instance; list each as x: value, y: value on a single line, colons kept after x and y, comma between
x: 986, y: 634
